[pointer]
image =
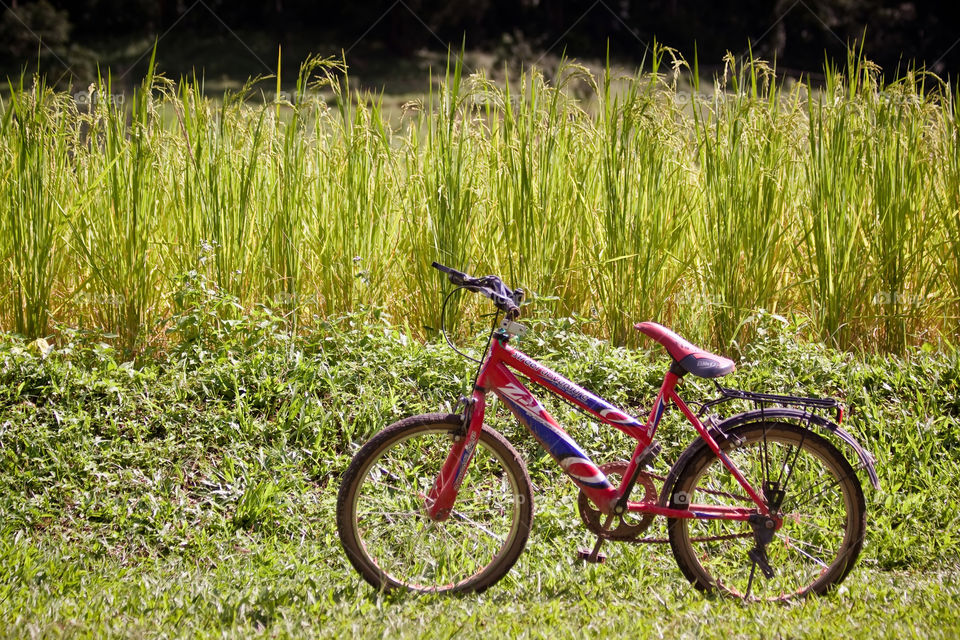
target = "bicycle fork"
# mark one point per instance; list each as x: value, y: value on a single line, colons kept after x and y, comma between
x: 440, y: 499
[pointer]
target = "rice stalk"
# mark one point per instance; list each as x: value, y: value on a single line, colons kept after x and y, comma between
x: 835, y: 251
x: 901, y: 222
x: 643, y: 231
x: 36, y: 186
x: 746, y: 150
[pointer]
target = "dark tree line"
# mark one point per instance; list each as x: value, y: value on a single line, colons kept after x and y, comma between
x: 797, y: 33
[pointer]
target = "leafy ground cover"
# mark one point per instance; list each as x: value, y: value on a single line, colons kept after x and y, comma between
x: 191, y: 492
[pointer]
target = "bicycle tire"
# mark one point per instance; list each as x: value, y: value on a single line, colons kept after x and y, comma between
x: 823, y: 510
x: 381, y: 510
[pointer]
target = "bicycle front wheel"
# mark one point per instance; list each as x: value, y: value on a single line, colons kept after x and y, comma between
x: 823, y: 512
x: 383, y: 523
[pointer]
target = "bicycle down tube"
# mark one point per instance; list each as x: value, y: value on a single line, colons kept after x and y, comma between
x: 495, y: 375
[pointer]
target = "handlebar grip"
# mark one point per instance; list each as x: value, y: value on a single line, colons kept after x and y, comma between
x: 457, y: 277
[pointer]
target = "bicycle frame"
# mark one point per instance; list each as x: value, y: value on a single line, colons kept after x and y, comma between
x: 495, y: 376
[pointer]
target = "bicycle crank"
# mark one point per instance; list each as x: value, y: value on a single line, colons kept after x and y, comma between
x: 628, y: 525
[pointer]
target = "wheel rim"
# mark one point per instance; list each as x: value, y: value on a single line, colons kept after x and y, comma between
x: 408, y: 548
x: 820, y: 535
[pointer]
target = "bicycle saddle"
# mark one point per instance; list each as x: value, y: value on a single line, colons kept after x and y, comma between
x: 688, y: 357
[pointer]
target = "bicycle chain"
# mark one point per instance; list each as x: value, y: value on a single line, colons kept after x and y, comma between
x: 729, y: 536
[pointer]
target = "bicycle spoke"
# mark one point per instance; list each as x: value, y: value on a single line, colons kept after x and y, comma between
x: 386, y: 514
x: 833, y: 482
x: 476, y: 525
x: 793, y: 546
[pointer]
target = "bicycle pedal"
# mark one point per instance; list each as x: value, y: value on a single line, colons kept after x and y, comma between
x: 586, y: 555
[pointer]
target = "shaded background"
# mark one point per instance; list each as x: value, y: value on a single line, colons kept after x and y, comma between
x: 386, y: 41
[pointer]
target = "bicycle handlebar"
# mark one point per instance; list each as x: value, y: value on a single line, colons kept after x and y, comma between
x: 492, y: 287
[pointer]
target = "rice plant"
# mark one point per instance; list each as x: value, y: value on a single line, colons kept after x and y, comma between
x: 535, y: 177
x: 834, y: 257
x: 611, y: 196
x: 901, y: 218
x: 116, y: 235
x: 946, y: 195
x: 747, y: 149
x: 439, y: 212
x: 644, y: 210
x: 35, y: 191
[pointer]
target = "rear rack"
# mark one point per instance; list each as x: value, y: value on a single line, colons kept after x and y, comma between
x: 761, y: 400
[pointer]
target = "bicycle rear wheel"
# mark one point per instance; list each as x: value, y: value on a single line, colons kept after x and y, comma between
x: 381, y: 509
x: 823, y: 511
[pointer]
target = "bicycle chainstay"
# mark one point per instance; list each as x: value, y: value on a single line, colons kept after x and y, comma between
x: 729, y: 536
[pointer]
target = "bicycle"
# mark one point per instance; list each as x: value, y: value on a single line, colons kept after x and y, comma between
x: 759, y: 506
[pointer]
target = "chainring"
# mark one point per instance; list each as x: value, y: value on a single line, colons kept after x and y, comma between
x: 628, y: 525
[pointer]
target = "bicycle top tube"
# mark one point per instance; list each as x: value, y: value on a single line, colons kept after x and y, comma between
x: 501, y: 352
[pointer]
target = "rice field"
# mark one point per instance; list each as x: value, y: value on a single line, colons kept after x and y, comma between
x: 610, y: 198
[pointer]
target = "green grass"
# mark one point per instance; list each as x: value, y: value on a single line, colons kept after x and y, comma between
x: 245, y: 586
x: 192, y: 493
x: 616, y: 197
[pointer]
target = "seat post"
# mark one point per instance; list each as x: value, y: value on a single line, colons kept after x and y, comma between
x: 676, y: 369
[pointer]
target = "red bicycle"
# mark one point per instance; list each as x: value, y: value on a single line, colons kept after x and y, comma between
x: 760, y: 505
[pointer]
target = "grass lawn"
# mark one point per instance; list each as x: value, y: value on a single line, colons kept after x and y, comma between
x: 192, y: 493
x: 249, y: 585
